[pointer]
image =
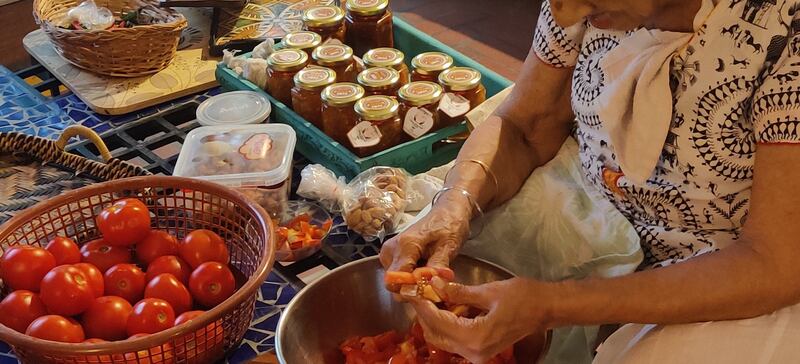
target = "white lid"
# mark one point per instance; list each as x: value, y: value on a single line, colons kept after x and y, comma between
x: 238, y: 156
x: 234, y: 108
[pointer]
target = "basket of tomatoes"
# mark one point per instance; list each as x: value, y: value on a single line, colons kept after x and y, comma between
x: 140, y: 270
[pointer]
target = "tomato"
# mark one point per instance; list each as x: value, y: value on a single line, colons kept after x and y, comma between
x: 150, y: 316
x: 66, y: 291
x: 202, y: 246
x: 107, y: 318
x: 94, y: 276
x: 425, y: 274
x: 203, y: 345
x: 156, y: 244
x: 438, y: 356
x: 187, y: 316
x: 211, y: 283
x: 168, y: 288
x: 169, y: 264
x: 94, y: 341
x: 124, y: 223
x: 20, y: 308
x: 394, y: 280
x: 23, y: 267
x: 126, y: 281
x: 103, y: 255
x: 56, y: 328
x: 64, y: 250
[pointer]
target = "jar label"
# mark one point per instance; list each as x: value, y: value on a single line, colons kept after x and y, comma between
x: 454, y: 105
x: 364, y: 134
x: 300, y: 38
x: 418, y: 122
x: 383, y: 55
x: 365, y: 3
x: 432, y: 60
x: 311, y: 75
x: 288, y: 56
x: 332, y: 50
x: 343, y: 91
x: 256, y: 147
x: 461, y: 75
x: 324, y: 12
x: 378, y: 74
x: 420, y: 89
x: 376, y: 103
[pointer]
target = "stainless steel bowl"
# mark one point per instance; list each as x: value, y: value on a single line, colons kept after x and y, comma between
x: 352, y: 301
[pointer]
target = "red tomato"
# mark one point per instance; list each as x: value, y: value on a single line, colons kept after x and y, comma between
x: 94, y: 341
x: 126, y: 281
x: 150, y: 316
x: 94, y: 276
x: 211, y: 283
x: 66, y: 291
x: 156, y: 244
x: 394, y: 280
x: 64, y: 250
x: 137, y: 336
x: 202, y: 246
x: 168, y: 288
x: 124, y: 223
x: 103, y: 255
x: 23, y: 267
x: 107, y: 318
x: 204, y: 344
x: 187, y: 316
x: 56, y: 328
x: 169, y: 264
x: 20, y: 308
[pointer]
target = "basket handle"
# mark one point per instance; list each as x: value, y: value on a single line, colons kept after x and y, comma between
x: 80, y: 130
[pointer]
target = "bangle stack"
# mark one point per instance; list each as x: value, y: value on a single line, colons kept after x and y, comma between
x: 486, y: 170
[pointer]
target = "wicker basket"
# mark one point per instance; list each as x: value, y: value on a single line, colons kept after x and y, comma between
x: 126, y: 52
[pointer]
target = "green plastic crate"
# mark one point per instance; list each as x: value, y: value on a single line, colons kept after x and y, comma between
x: 415, y: 156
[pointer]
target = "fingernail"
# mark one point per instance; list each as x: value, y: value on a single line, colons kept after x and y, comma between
x: 440, y: 286
x: 408, y: 290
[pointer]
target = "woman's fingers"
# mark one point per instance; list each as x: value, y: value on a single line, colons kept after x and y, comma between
x: 441, y: 253
x: 386, y: 255
x: 475, y: 296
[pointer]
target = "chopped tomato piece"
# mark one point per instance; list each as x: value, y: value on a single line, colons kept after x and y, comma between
x: 425, y: 273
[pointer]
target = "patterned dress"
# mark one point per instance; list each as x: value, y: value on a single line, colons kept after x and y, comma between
x: 735, y: 86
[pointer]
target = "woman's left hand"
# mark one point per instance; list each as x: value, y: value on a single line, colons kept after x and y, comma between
x: 516, y: 308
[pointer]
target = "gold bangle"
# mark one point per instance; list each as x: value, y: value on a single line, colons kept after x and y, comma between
x: 486, y: 170
x: 472, y: 201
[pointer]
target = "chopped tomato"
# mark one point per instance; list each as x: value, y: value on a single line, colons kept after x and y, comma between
x: 300, y: 233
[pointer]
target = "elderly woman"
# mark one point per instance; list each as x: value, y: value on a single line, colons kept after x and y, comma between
x: 687, y: 116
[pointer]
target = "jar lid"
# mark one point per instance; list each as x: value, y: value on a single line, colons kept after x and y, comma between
x: 377, y: 107
x: 322, y: 16
x: 287, y: 59
x: 384, y: 57
x: 342, y: 93
x: 421, y: 93
x: 460, y: 78
x: 379, y: 77
x: 332, y: 53
x: 314, y: 77
x: 302, y: 39
x: 367, y: 7
x: 234, y: 108
x: 430, y: 62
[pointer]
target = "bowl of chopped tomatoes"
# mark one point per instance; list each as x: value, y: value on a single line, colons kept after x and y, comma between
x: 302, y: 228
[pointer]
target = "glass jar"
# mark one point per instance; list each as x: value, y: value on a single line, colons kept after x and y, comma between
x: 308, y: 85
x: 389, y: 58
x: 380, y: 81
x: 282, y: 65
x: 369, y: 25
x: 463, y: 92
x: 303, y: 40
x: 327, y: 21
x: 379, y: 126
x: 339, y: 58
x: 419, y: 108
x: 428, y: 66
x: 338, y: 113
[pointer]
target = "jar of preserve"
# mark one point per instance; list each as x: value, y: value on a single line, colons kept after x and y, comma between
x: 303, y: 40
x: 369, y: 25
x: 428, y: 66
x: 389, y: 58
x: 419, y: 108
x: 327, y: 21
x: 338, y: 112
x: 308, y: 86
x: 379, y: 126
x: 463, y: 92
x: 339, y: 58
x: 380, y: 81
x: 282, y: 65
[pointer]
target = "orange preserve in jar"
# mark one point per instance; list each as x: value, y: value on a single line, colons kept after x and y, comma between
x: 463, y: 92
x: 428, y: 66
x: 327, y: 21
x: 303, y: 40
x: 339, y: 58
x: 419, y: 108
x: 338, y: 113
x: 380, y: 81
x: 282, y: 65
x: 389, y: 58
x: 379, y: 126
x: 308, y: 86
x: 369, y: 25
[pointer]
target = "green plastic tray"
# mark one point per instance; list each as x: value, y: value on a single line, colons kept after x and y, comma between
x: 415, y: 156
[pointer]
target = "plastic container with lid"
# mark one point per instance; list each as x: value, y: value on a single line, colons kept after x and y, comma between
x: 308, y: 85
x: 338, y: 57
x: 369, y: 25
x: 380, y: 81
x: 463, y: 92
x: 255, y: 159
x: 429, y: 65
x: 419, y: 108
x: 338, y: 113
x: 282, y: 65
x: 388, y: 58
x: 303, y: 40
x: 379, y: 126
x: 234, y: 108
x: 327, y: 21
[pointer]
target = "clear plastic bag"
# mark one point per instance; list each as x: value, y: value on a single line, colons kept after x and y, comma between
x: 90, y: 16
